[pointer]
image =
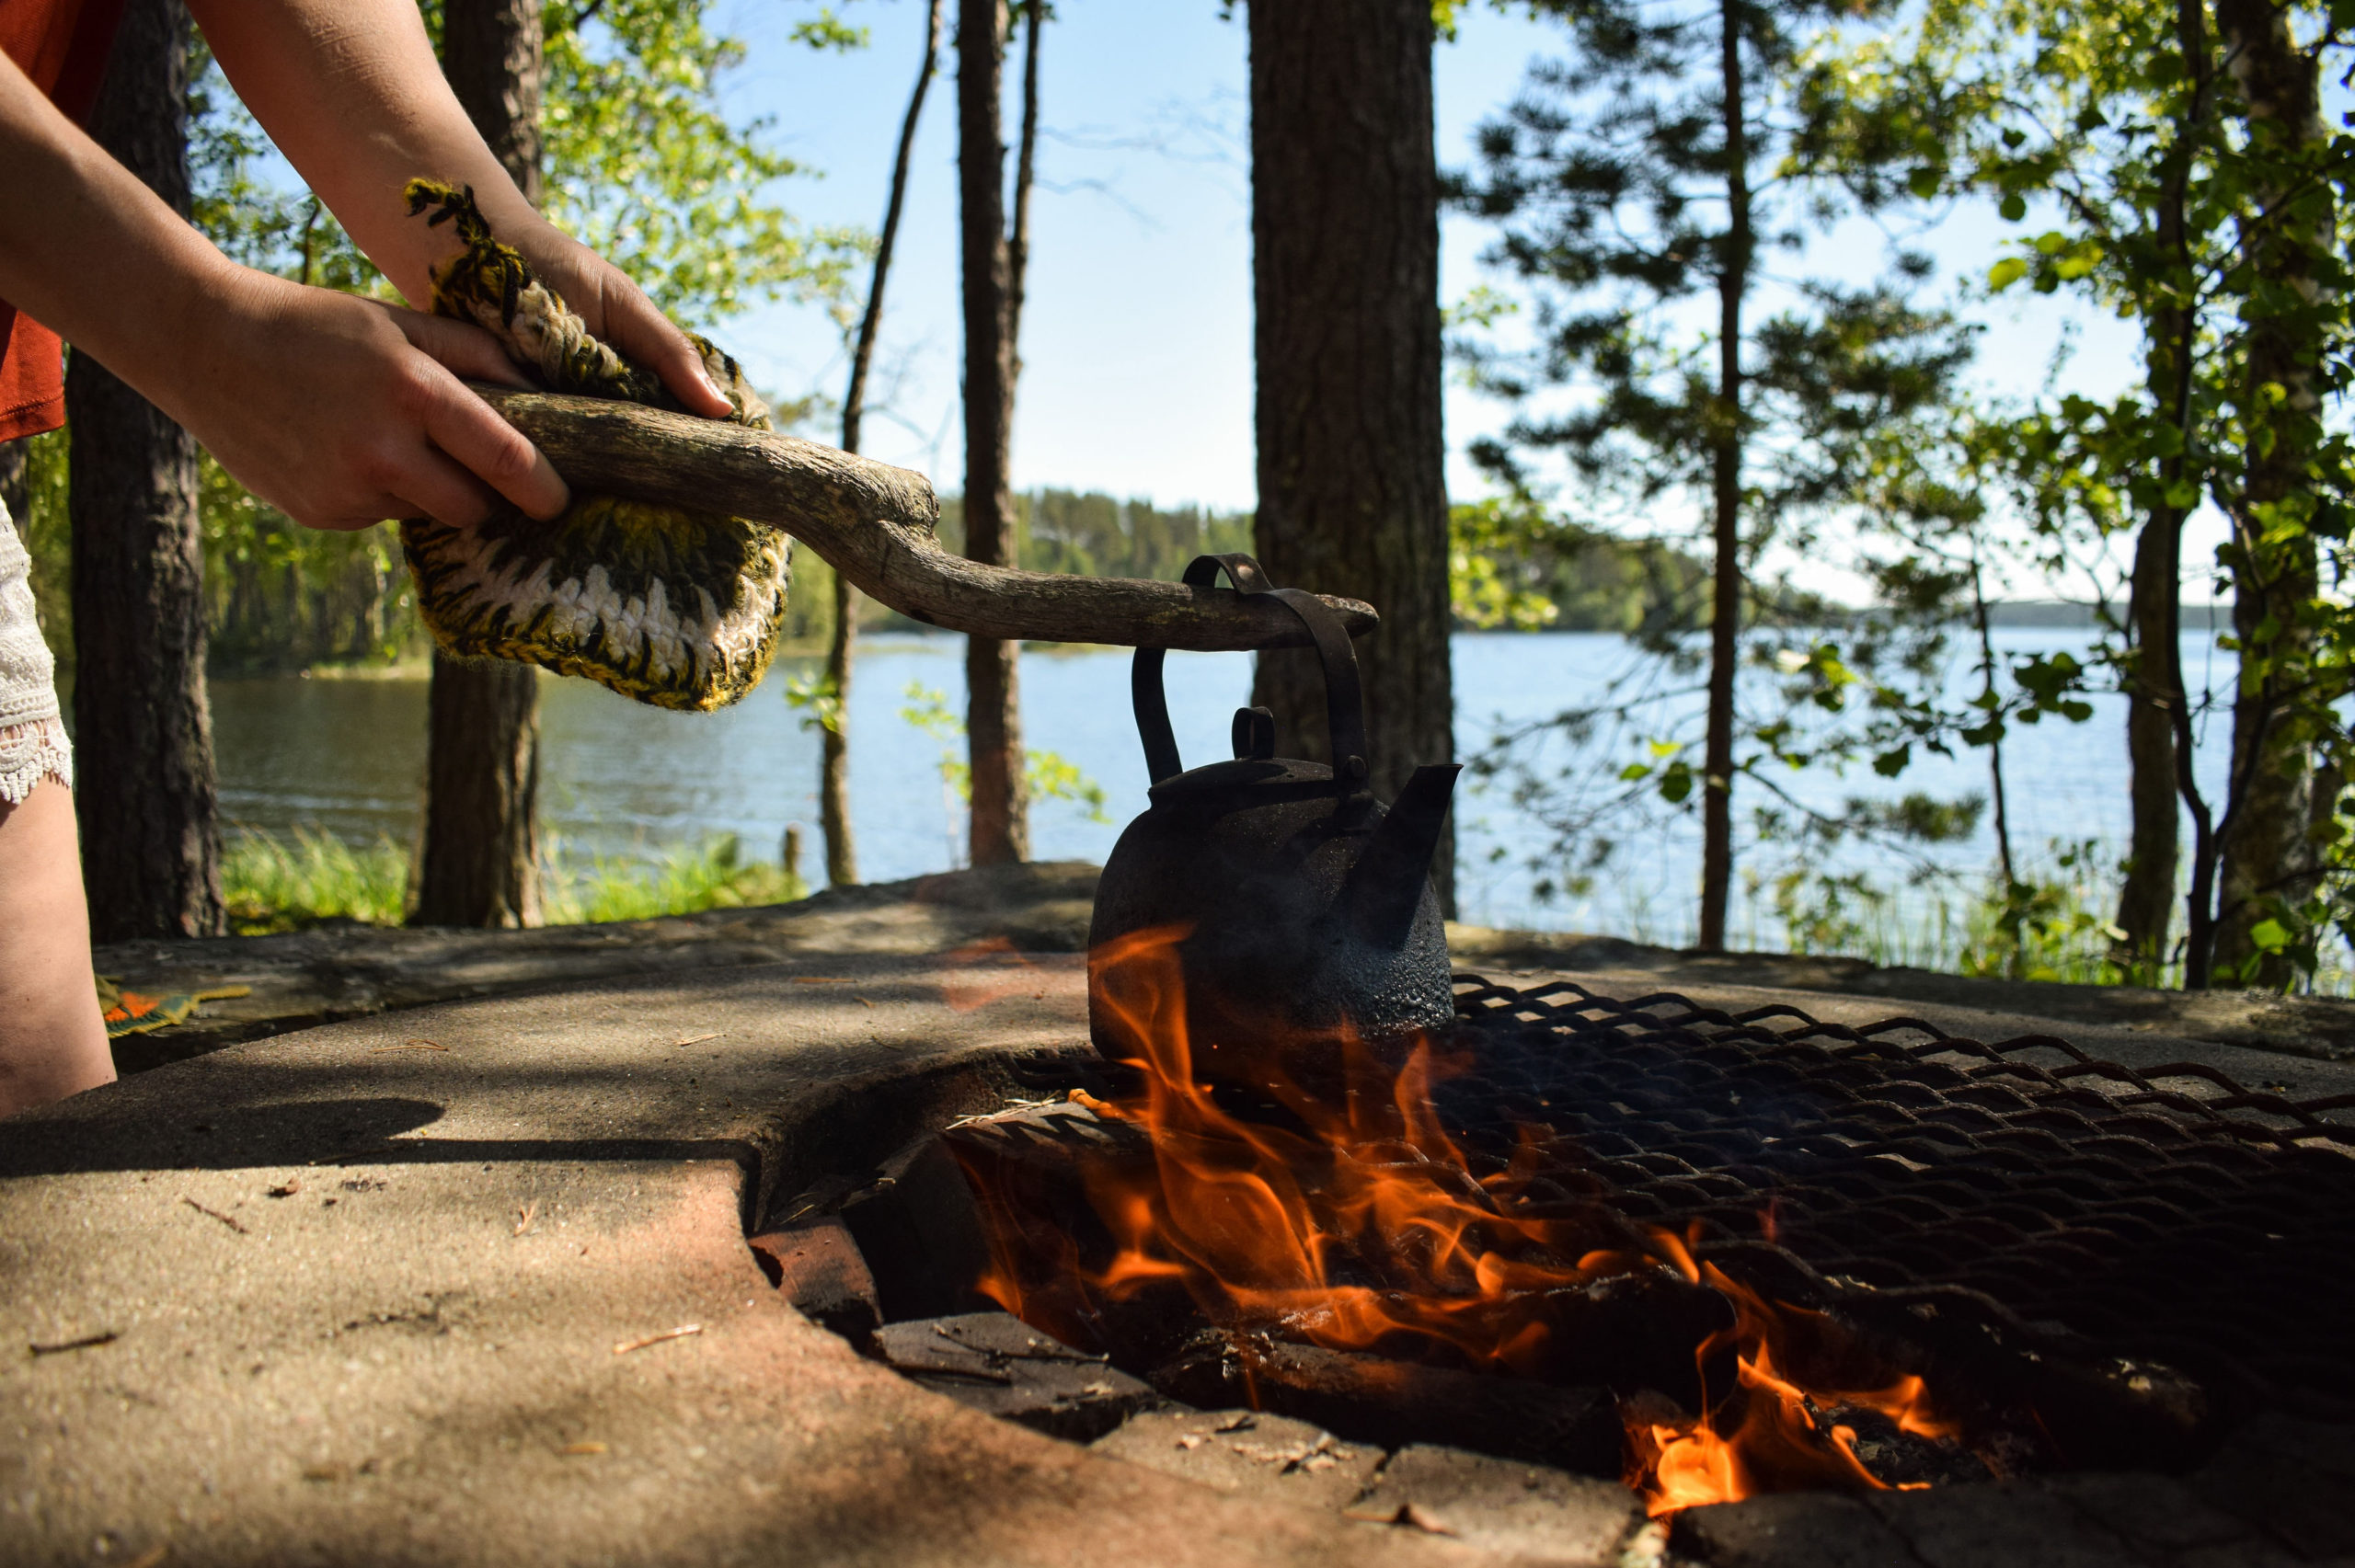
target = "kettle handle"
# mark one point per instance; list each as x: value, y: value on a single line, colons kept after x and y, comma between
x: 1344, y: 701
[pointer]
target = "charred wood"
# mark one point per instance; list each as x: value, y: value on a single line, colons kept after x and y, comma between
x: 1371, y: 1399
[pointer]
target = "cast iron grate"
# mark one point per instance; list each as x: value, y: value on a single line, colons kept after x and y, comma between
x: 2170, y: 1213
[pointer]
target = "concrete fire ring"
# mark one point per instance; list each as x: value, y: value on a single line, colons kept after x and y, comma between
x: 467, y: 1284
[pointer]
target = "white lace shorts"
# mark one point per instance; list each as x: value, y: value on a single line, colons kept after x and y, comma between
x: 32, y: 731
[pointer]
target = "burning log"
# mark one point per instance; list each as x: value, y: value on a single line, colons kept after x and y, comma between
x: 1397, y: 1236
x: 1371, y: 1399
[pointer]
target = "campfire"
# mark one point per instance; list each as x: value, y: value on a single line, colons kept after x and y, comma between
x: 1706, y: 1255
x: 1333, y: 1209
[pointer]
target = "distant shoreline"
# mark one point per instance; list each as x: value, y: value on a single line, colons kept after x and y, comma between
x: 2042, y: 615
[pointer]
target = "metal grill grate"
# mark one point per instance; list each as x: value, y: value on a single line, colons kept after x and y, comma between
x: 2170, y: 1213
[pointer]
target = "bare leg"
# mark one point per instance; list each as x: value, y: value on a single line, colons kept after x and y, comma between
x: 52, y: 1042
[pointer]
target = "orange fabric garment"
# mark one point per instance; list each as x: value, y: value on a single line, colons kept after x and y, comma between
x: 62, y: 45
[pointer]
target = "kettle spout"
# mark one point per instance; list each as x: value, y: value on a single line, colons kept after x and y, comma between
x: 1387, y: 883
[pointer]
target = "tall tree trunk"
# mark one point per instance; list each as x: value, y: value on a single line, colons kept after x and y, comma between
x: 1001, y: 816
x: 2146, y: 897
x: 151, y: 838
x: 1982, y: 624
x: 833, y: 786
x: 479, y: 865
x: 1026, y: 166
x: 2157, y: 707
x: 1725, y: 573
x: 2268, y: 852
x: 1345, y: 276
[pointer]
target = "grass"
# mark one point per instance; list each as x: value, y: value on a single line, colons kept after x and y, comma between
x: 284, y: 884
x: 2053, y: 926
x: 713, y: 875
x: 309, y: 877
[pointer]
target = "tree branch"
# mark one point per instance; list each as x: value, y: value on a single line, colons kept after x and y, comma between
x: 874, y: 523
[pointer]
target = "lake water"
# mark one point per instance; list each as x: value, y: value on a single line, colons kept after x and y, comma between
x: 619, y: 778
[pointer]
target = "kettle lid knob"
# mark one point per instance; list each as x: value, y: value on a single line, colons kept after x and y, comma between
x: 1255, y: 735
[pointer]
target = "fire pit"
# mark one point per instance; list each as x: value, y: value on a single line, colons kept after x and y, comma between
x: 1708, y: 1255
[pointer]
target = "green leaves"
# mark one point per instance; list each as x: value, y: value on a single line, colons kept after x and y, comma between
x: 2050, y: 681
x: 817, y: 694
x: 1497, y: 548
x: 828, y: 32
x: 1049, y: 775
x: 644, y: 167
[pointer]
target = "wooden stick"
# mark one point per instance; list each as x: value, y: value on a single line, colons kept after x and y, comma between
x: 875, y: 524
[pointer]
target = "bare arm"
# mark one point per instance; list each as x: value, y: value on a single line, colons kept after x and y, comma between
x: 351, y: 93
x: 340, y: 411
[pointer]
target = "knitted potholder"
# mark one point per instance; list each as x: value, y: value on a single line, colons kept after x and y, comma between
x: 676, y: 608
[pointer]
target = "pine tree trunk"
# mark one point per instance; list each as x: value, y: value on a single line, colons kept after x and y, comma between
x: 151, y: 837
x: 479, y: 862
x: 834, y: 782
x: 1726, y: 573
x: 1001, y: 825
x: 2146, y: 898
x: 2269, y: 858
x: 1345, y: 274
x: 2157, y: 718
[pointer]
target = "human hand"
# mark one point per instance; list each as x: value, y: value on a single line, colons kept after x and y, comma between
x: 617, y: 311
x: 342, y: 412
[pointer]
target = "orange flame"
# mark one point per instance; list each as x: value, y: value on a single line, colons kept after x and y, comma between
x: 1362, y: 1228
x: 1773, y: 1437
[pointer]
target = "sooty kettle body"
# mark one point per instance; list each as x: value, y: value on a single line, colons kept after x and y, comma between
x: 1301, y: 907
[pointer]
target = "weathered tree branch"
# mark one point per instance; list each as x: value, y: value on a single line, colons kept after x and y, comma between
x: 874, y: 523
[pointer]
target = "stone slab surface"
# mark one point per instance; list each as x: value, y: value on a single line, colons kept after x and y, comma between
x: 467, y: 1282
x: 2298, y: 1475
x: 2159, y: 1516
x: 1251, y: 1453
x: 1970, y: 1527
x: 2276, y: 1495
x: 821, y: 1274
x: 995, y: 1362
x: 301, y: 979
x: 1539, y: 1517
x: 1790, y: 1532
x: 504, y: 1310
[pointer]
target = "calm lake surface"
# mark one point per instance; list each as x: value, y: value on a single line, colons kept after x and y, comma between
x: 622, y: 779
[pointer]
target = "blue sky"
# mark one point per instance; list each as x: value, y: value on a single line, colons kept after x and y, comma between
x: 1137, y: 340
x: 1137, y: 334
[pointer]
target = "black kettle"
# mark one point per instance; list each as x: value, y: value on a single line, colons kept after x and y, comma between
x: 1307, y: 904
